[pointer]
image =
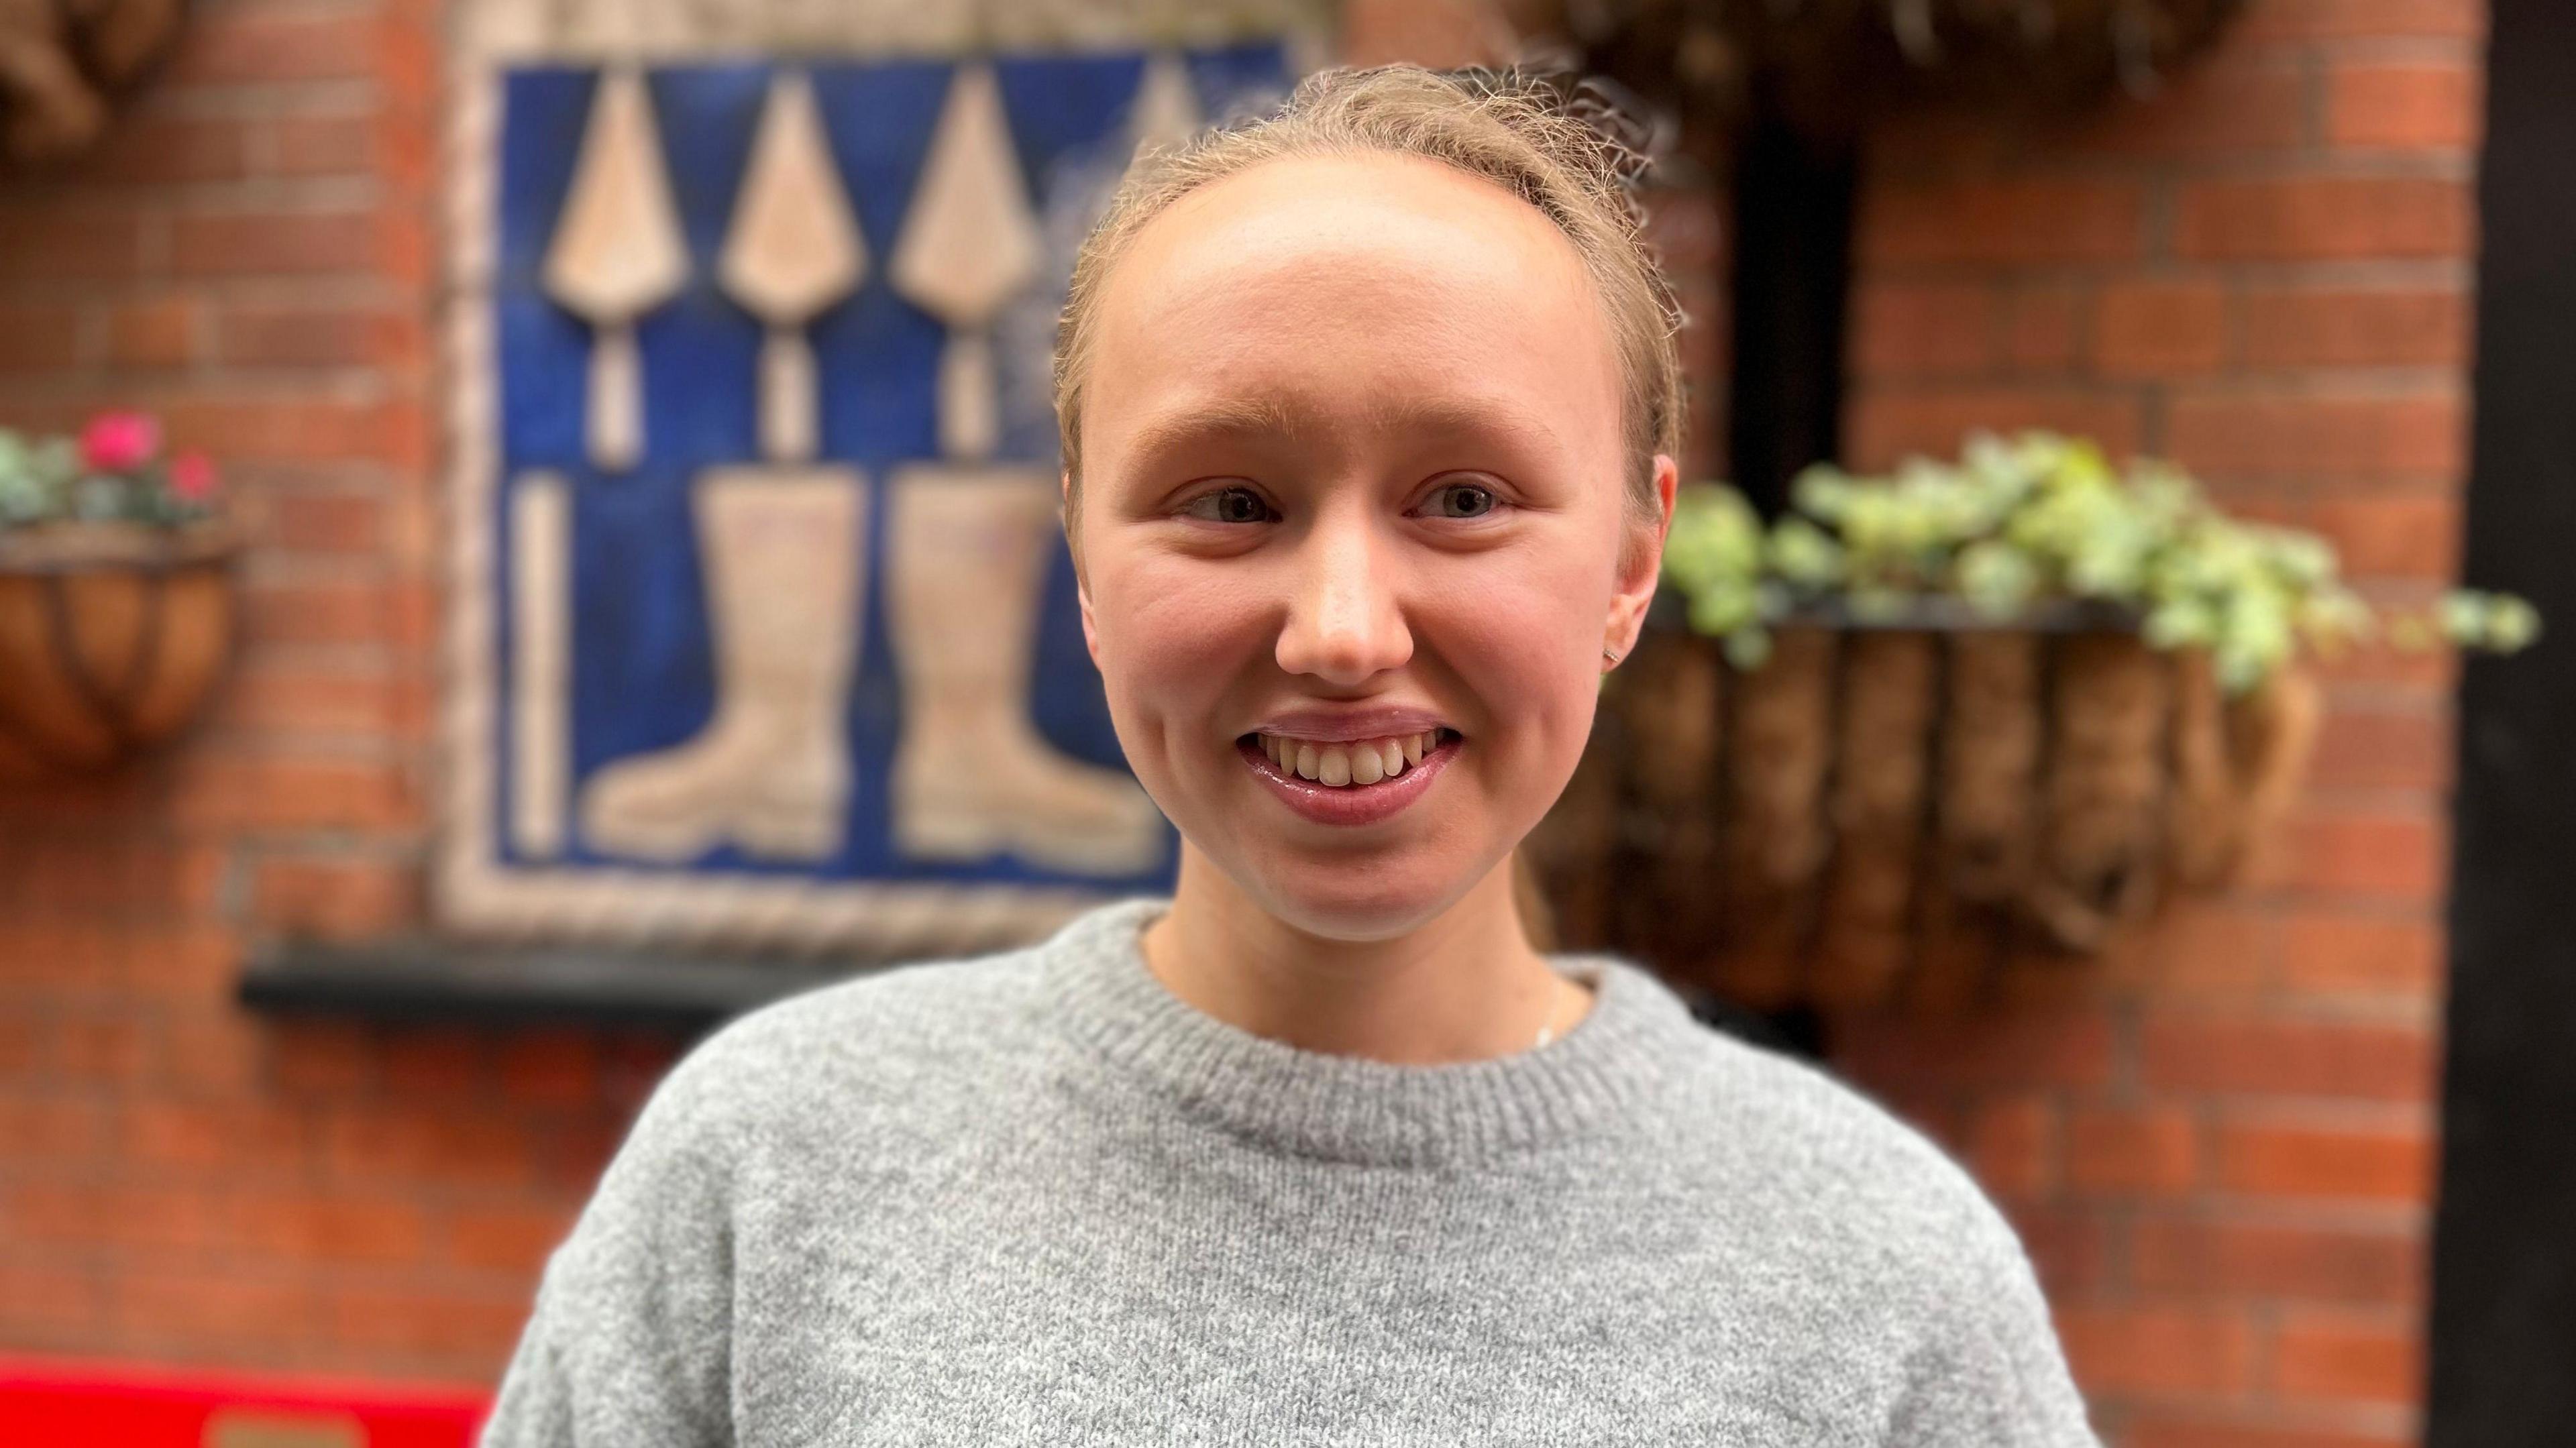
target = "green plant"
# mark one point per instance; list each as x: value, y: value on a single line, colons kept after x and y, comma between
x: 2024, y: 522
x: 115, y: 471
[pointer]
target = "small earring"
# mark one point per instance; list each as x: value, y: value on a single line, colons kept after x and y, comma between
x: 1612, y: 657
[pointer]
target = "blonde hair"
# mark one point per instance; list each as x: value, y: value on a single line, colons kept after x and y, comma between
x: 1508, y: 128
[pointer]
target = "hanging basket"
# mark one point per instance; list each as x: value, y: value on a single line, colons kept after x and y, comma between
x: 1869, y: 815
x: 112, y: 636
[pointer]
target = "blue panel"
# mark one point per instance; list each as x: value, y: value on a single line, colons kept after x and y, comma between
x: 545, y: 381
x: 876, y: 361
x: 701, y: 382
x: 543, y: 110
x: 708, y: 115
x: 1235, y: 81
x: 880, y: 119
x: 643, y: 675
x: 1068, y: 114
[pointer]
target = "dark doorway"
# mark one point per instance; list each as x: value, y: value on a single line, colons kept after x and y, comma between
x: 2503, y: 1331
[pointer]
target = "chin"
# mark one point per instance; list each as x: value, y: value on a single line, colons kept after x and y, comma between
x: 1370, y: 898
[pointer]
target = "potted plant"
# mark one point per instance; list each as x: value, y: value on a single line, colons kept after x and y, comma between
x: 117, y: 607
x: 2025, y: 687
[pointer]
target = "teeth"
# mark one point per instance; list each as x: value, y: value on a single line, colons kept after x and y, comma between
x: 1364, y: 762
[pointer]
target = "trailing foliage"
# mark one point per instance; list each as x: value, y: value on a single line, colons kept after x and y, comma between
x: 2038, y: 519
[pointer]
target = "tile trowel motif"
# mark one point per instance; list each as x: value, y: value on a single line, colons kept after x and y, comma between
x: 781, y: 545
x: 971, y: 776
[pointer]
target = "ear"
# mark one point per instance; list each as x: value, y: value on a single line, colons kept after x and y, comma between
x: 1081, y: 580
x: 1641, y: 563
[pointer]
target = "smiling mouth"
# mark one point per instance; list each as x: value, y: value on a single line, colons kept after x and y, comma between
x: 1353, y: 763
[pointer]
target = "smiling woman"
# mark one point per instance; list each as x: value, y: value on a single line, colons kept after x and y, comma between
x: 1369, y: 416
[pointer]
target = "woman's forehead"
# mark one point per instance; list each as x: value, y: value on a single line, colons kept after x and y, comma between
x: 1353, y: 284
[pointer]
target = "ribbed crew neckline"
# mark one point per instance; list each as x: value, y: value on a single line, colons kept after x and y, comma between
x: 1585, y: 1083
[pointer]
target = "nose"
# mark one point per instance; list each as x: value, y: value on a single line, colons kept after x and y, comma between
x: 1345, y: 622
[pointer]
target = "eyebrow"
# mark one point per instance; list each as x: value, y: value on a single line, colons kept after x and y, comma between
x: 1272, y: 417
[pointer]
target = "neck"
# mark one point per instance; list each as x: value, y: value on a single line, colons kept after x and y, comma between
x: 1462, y: 986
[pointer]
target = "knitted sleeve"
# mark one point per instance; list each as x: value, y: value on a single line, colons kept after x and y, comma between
x: 1990, y: 1372
x: 630, y: 1339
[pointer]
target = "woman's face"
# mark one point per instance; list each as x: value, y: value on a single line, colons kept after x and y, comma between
x: 1352, y: 477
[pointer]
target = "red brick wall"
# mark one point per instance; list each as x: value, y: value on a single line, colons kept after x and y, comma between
x: 2218, y: 1143
x: 252, y: 255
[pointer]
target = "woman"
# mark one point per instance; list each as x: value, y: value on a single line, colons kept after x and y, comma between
x: 1369, y: 414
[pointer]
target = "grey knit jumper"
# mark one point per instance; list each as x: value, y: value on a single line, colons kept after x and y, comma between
x: 1035, y: 1198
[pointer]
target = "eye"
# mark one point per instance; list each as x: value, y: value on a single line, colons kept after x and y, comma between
x: 1463, y: 500
x: 1228, y: 505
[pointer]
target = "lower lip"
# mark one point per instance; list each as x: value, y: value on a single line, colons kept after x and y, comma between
x: 1350, y: 804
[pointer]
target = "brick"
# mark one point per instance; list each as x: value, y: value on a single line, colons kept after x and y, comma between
x: 2324, y: 218
x: 304, y: 1225
x: 176, y: 1216
x: 2249, y: 1056
x: 313, y: 520
x: 206, y: 1303
x: 2194, y: 949
x: 51, y: 1127
x: 2161, y: 329
x: 2204, y: 1427
x: 297, y: 430
x: 312, y: 336
x: 2011, y: 1145
x: 2002, y: 222
x: 72, y: 243
x: 2295, y: 20
x: 2217, y: 1258
x: 2259, y: 1157
x: 41, y: 338
x: 2222, y: 108
x: 2044, y: 327
x: 550, y: 1067
x: 1885, y: 426
x: 2027, y: 1049
x: 165, y: 150
x: 415, y: 1323
x: 50, y: 1302
x: 2357, y: 327
x: 2412, y: 107
x: 244, y: 47
x: 238, y: 1138
x: 281, y: 698
x: 273, y: 243
x: 514, y: 1239
x: 2409, y: 437
x: 2069, y: 1247
x: 112, y: 1050
x: 336, y: 898
x: 2157, y: 1349
x: 2338, y: 1357
x: 427, y: 1143
x: 2410, y: 535
x: 223, y: 794
x: 450, y: 1063
x: 158, y: 333
x: 322, y: 1057
x: 323, y: 145
x: 1927, y: 329
x: 2382, y: 749
x: 2331, y: 954
x: 222, y: 1054
x: 2387, y: 857
x: 2121, y: 1151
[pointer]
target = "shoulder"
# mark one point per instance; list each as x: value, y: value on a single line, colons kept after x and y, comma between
x: 1818, y: 1158
x: 874, y: 1037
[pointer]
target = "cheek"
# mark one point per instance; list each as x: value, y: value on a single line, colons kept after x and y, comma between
x: 1171, y: 636
x: 1524, y: 636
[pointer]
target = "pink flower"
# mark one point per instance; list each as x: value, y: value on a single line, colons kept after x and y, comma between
x: 118, y: 442
x: 192, y: 477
